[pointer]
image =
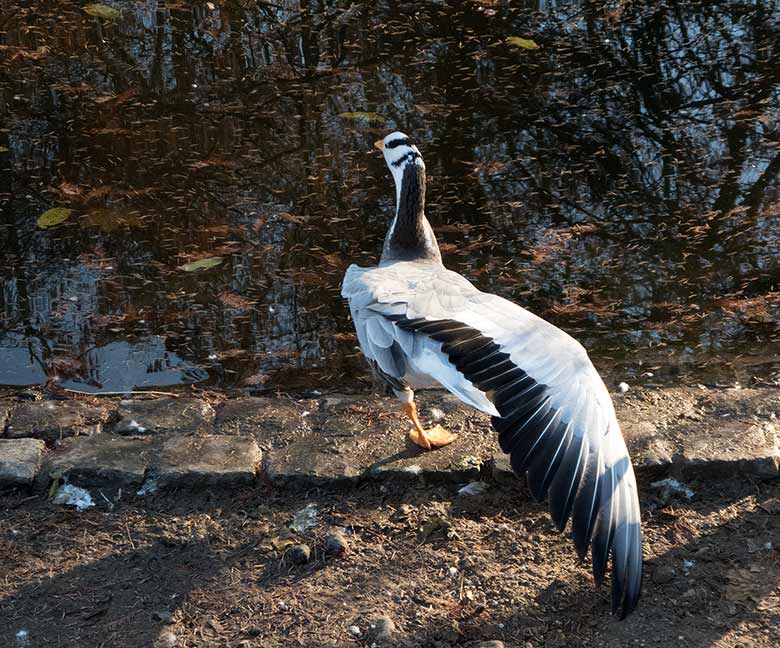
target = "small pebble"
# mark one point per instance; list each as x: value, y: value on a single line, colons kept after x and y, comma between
x: 623, y: 387
x: 452, y: 571
x: 166, y: 640
x: 382, y: 629
x: 299, y: 554
x: 354, y: 631
x: 335, y: 543
x: 663, y: 574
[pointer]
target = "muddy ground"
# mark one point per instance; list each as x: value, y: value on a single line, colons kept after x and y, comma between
x: 209, y: 569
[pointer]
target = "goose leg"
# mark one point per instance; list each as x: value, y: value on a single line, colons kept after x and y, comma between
x: 434, y: 437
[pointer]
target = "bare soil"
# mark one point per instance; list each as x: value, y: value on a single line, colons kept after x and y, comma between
x: 210, y: 569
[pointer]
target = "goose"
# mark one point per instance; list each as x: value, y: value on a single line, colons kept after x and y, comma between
x: 420, y: 325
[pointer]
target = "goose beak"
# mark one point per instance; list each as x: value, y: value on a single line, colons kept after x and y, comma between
x: 380, y: 144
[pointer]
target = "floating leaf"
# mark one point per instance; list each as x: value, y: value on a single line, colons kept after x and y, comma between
x: 289, y: 217
x: 110, y: 218
x: 333, y: 259
x: 4, y: 149
x: 54, y: 216
x: 103, y: 11
x: 202, y: 264
x: 525, y: 43
x: 771, y: 506
x: 119, y: 99
x: 365, y: 116
x: 70, y: 189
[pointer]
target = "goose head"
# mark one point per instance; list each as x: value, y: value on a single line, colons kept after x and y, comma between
x: 400, y: 152
x: 410, y: 237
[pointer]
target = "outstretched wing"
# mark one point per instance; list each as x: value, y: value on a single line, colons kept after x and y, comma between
x: 555, y: 417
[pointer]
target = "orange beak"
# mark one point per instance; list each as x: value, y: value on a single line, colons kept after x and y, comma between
x: 380, y: 144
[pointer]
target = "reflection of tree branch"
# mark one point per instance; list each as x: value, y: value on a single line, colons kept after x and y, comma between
x: 753, y: 195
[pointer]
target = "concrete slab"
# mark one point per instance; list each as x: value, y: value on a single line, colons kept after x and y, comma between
x: 258, y: 416
x: 693, y: 432
x: 683, y: 432
x: 164, y: 416
x: 52, y: 420
x: 351, y: 437
x: 213, y: 461
x: 5, y: 411
x: 20, y: 461
x: 104, y: 460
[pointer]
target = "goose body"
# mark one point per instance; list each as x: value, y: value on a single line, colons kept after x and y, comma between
x: 421, y: 325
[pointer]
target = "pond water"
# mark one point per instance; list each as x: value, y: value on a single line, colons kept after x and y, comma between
x: 612, y: 166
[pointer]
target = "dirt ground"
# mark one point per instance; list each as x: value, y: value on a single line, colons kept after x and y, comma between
x: 210, y: 569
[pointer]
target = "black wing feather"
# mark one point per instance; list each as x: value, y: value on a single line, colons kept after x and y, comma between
x: 557, y: 460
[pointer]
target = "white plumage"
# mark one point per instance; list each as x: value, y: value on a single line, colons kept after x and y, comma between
x: 421, y: 325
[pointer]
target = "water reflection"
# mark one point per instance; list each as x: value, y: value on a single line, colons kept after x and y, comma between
x: 621, y: 179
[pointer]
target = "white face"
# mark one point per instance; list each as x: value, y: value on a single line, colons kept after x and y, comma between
x: 399, y: 151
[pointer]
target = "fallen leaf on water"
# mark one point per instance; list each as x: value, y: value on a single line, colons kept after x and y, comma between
x: 525, y: 43
x: 771, y: 506
x: 110, y: 218
x: 289, y: 217
x: 201, y: 264
x: 4, y: 149
x: 69, y: 189
x: 25, y: 53
x: 54, y: 216
x: 119, y: 99
x: 365, y: 116
x: 258, y: 379
x: 99, y: 192
x: 429, y: 108
x: 213, y: 162
x: 102, y: 11
x: 235, y: 301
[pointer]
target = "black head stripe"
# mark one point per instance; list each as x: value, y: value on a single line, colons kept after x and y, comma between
x: 411, y: 156
x: 398, y: 142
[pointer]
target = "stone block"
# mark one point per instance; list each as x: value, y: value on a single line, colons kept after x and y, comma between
x: 104, y: 460
x: 164, y: 416
x: 5, y: 411
x: 199, y: 462
x: 51, y: 420
x: 253, y: 416
x: 357, y: 437
x: 20, y: 461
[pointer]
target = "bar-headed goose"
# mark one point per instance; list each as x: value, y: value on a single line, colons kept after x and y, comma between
x: 421, y: 325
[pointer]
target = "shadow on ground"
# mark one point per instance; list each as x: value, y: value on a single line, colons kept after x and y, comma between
x: 195, y: 568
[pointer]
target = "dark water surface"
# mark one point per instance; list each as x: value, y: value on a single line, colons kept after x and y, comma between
x: 622, y: 179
